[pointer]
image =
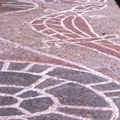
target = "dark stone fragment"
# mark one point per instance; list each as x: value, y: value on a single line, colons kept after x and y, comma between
x: 29, y: 94
x: 103, y: 33
x: 14, y: 78
x: 9, y: 90
x: 74, y: 94
x: 105, y: 87
x: 48, y: 82
x: 36, y: 105
x: 78, y: 76
x: 94, y: 114
x: 7, y: 100
x: 1, y: 65
x: 38, y: 68
x: 51, y: 117
x: 117, y: 102
x: 17, y: 66
x: 110, y: 94
x: 9, y: 112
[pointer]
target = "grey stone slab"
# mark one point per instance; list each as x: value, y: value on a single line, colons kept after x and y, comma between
x: 37, y: 105
x: 14, y: 78
x: 74, y: 94
x: 105, y: 87
x: 48, y: 82
x: 1, y: 65
x: 110, y: 94
x: 52, y: 117
x: 38, y: 68
x: 29, y: 94
x: 78, y: 76
x: 9, y: 90
x: 17, y: 66
x: 93, y: 114
x: 7, y: 100
x: 9, y: 112
x: 117, y: 102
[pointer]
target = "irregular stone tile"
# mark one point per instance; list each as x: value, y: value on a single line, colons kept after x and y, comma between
x: 110, y: 94
x: 1, y: 65
x: 117, y: 102
x: 73, y: 94
x: 105, y: 87
x: 9, y: 90
x: 37, y: 105
x: 13, y: 78
x: 7, y: 100
x: 9, y: 112
x: 48, y: 82
x: 38, y: 68
x: 29, y: 94
x: 52, y: 117
x: 93, y: 114
x: 78, y: 76
x: 17, y: 66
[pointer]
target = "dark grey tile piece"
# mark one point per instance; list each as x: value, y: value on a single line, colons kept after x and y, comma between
x: 74, y: 94
x: 29, y: 94
x: 105, y: 87
x: 37, y: 105
x: 1, y: 65
x: 9, y: 90
x: 17, y: 66
x: 7, y: 100
x: 48, y: 82
x: 14, y: 78
x: 93, y: 114
x: 52, y: 117
x: 110, y: 94
x: 78, y: 76
x: 117, y: 102
x: 38, y: 68
x: 9, y: 112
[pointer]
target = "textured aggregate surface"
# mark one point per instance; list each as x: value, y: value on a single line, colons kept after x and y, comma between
x: 59, y: 60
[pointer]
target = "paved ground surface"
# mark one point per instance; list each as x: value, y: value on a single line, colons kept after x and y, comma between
x: 59, y: 60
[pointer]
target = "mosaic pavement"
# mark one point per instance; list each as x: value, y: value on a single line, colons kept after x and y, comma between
x: 59, y: 61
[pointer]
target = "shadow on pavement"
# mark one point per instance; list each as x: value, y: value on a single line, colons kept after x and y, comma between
x: 118, y: 2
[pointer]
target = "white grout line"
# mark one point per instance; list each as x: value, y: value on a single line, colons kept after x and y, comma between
x: 100, y: 83
x: 5, y: 65
x: 27, y: 67
x: 86, y: 107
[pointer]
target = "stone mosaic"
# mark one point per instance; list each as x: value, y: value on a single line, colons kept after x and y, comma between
x: 50, y: 96
x: 39, y: 85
